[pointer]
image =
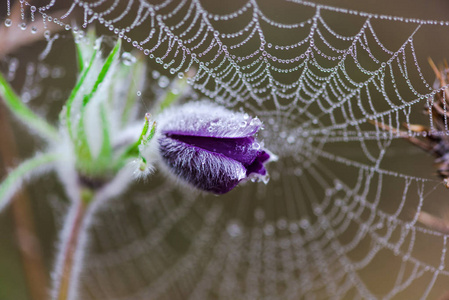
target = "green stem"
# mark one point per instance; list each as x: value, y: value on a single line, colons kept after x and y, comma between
x: 71, y: 245
x: 27, y: 169
x: 26, y: 115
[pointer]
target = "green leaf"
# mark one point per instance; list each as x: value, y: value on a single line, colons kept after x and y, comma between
x: 137, y: 80
x: 24, y: 171
x: 84, y: 49
x: 74, y: 92
x: 24, y: 114
x: 83, y: 150
x: 106, y: 147
x: 151, y: 134
x: 104, y: 70
x: 145, y: 136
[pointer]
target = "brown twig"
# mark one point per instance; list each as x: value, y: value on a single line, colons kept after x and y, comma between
x: 403, y: 134
x: 433, y: 222
x: 27, y: 240
x: 445, y: 296
x: 28, y: 243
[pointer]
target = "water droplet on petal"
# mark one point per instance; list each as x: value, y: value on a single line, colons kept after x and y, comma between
x: 255, y: 122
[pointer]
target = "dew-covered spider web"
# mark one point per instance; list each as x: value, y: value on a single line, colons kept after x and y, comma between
x: 341, y: 217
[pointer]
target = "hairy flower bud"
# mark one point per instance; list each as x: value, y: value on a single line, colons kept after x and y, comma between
x: 210, y: 147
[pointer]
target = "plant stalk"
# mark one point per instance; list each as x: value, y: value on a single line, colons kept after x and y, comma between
x: 71, y: 245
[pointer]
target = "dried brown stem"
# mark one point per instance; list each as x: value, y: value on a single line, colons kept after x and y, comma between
x: 445, y: 296
x: 433, y: 222
x: 402, y: 134
x: 28, y: 242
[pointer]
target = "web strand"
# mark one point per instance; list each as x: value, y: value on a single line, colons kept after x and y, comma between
x: 344, y: 201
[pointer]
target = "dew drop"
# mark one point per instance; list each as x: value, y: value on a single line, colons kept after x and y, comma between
x: 8, y: 22
x: 33, y: 29
x: 139, y: 93
x: 128, y: 59
x: 255, y: 122
x: 234, y: 229
x: 23, y: 26
x: 256, y: 146
x: 163, y: 81
x: 26, y: 97
x: 180, y: 75
x: 155, y: 74
x: 304, y: 223
x: 268, y: 230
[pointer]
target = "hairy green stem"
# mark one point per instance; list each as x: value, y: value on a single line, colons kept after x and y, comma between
x: 71, y: 244
x: 27, y: 169
x: 24, y: 114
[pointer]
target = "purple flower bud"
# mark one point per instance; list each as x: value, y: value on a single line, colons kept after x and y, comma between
x: 211, y: 147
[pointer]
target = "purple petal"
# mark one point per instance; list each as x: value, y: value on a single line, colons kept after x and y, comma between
x: 210, y: 147
x: 239, y: 149
x: 258, y: 165
x: 208, y: 120
x: 212, y: 172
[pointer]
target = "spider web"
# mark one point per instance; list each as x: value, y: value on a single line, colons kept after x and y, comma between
x: 339, y: 218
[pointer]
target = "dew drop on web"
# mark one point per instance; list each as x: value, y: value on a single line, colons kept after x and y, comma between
x: 315, y: 86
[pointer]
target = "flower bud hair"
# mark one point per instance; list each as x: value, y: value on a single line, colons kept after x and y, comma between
x: 210, y: 147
